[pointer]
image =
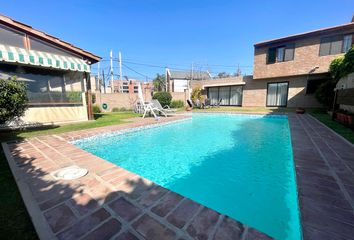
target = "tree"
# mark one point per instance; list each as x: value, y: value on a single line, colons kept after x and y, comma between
x: 339, y: 67
x: 159, y: 82
x: 13, y: 99
x: 223, y: 75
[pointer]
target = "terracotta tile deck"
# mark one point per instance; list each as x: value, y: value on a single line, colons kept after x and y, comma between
x: 113, y: 203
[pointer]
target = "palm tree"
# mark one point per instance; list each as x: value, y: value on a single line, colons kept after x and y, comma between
x: 159, y: 82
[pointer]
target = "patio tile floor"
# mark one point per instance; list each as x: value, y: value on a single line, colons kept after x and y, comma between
x: 113, y: 203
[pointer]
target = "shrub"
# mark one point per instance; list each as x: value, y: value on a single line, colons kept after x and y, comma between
x: 325, y: 93
x: 13, y: 99
x: 96, y: 109
x: 177, y: 104
x: 163, y: 97
x: 196, y: 95
x: 339, y: 67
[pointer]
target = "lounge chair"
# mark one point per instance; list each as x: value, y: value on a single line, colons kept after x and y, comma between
x: 155, y: 103
x: 218, y: 103
x: 148, y: 107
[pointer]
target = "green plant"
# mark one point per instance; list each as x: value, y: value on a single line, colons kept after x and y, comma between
x: 196, y: 95
x: 177, y: 104
x: 13, y: 99
x: 163, y: 97
x: 339, y: 67
x: 325, y: 93
x: 159, y: 82
x: 96, y: 109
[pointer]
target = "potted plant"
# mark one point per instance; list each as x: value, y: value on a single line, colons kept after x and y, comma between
x: 300, y: 110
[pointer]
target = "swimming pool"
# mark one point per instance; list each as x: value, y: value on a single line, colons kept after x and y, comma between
x: 239, y: 165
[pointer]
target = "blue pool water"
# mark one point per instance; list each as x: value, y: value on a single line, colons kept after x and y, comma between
x: 239, y: 165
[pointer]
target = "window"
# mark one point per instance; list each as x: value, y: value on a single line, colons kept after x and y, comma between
x: 42, y: 46
x: 335, y: 44
x: 347, y: 43
x: 47, y: 87
x: 277, y: 94
x: 136, y: 87
x: 281, y: 53
x: 226, y: 95
x: 11, y: 37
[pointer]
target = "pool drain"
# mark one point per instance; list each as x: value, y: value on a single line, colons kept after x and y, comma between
x: 69, y: 173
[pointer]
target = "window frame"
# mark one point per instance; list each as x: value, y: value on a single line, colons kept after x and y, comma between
x: 276, y: 49
x: 287, y: 94
x: 331, y: 41
x: 229, y: 86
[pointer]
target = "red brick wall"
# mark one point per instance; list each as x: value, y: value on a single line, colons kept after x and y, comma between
x: 306, y: 57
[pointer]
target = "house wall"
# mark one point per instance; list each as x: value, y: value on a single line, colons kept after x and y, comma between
x: 55, y: 114
x: 255, y: 91
x: 306, y: 57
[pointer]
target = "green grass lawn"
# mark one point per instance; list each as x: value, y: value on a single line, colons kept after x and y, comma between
x: 326, y: 119
x: 15, y: 222
x: 101, y: 119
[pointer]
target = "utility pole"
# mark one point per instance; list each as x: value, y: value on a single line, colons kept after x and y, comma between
x: 98, y: 76
x: 112, y: 76
x: 120, y: 66
x: 167, y: 80
x: 104, y: 81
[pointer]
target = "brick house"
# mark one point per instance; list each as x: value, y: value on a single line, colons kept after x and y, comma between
x: 287, y: 71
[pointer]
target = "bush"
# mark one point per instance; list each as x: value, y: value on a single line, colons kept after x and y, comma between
x: 197, y: 95
x: 163, y: 97
x: 325, y: 93
x: 13, y: 99
x: 177, y: 104
x: 96, y: 109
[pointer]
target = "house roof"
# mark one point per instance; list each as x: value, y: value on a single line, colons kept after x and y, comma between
x: 197, y: 75
x: 48, y: 38
x: 328, y: 30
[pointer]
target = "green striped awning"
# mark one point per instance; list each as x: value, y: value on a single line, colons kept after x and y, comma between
x: 43, y: 59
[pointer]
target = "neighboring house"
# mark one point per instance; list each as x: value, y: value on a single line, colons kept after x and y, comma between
x: 120, y: 86
x: 287, y: 71
x: 179, y: 81
x: 56, y: 72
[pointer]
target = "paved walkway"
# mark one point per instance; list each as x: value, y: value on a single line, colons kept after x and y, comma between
x: 325, y: 177
x: 110, y: 202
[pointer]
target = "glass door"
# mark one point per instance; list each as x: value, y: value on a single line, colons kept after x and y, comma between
x: 277, y: 94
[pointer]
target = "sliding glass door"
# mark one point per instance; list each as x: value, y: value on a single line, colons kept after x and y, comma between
x: 226, y: 95
x: 277, y: 94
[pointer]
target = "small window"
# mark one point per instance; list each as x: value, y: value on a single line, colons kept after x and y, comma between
x: 289, y: 52
x: 335, y: 44
x: 11, y: 37
x: 281, y: 53
x: 271, y: 55
x: 325, y: 46
x: 347, y: 43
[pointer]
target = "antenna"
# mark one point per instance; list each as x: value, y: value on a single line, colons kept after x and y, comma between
x: 111, y: 63
x: 120, y: 66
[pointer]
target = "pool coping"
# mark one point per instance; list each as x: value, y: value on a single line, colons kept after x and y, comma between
x: 145, y: 226
x: 304, y: 129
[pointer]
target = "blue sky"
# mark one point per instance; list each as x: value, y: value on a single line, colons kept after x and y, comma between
x: 176, y: 33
